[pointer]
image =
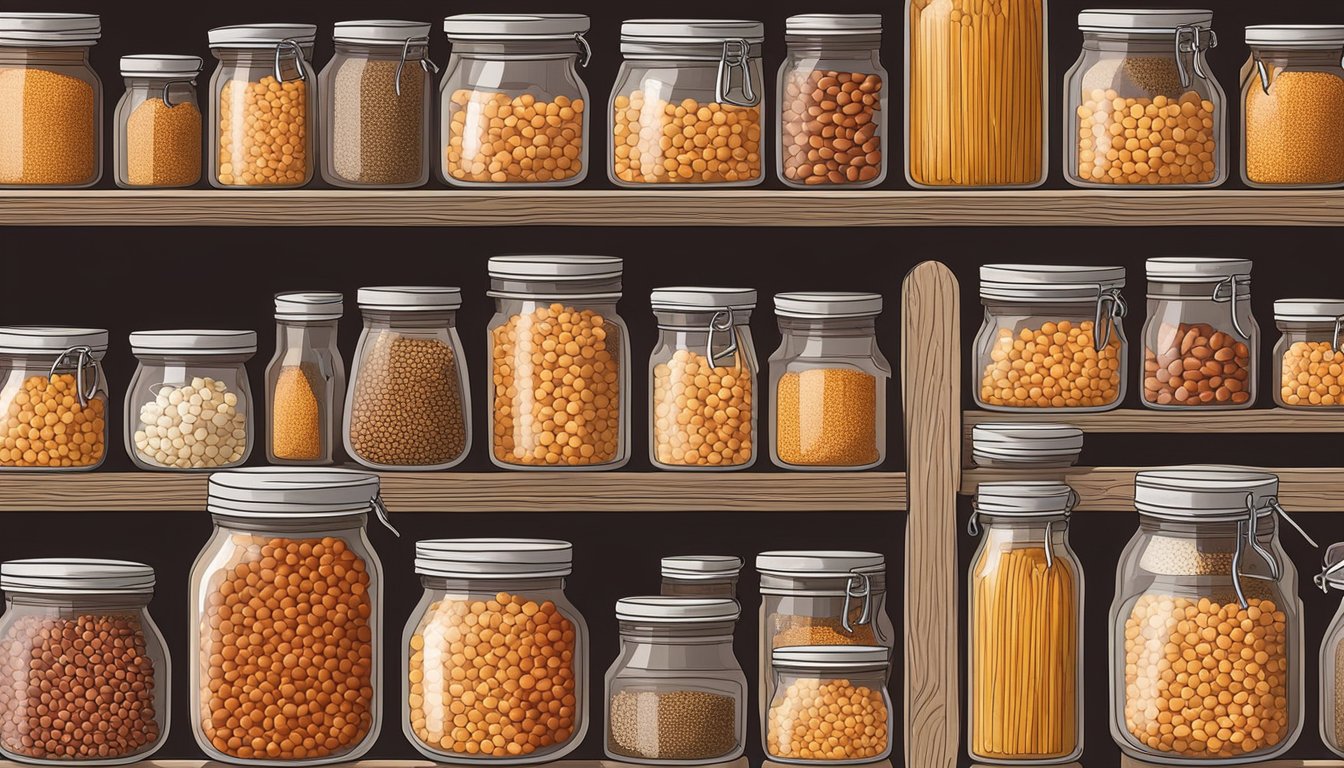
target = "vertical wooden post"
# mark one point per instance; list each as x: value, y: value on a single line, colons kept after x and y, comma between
x: 931, y: 398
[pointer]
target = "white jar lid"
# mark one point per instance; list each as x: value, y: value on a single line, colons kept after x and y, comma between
x: 309, y: 305
x: 1196, y: 269
x: 1024, y: 498
x: 161, y: 65
x: 410, y: 298
x: 701, y: 567
x: 49, y: 29
x: 494, y: 558
x: 837, y: 304
x: 1047, y: 282
x: 1309, y: 310
x: 1202, y: 492
x: 677, y: 610
x: 20, y: 339
x: 1026, y: 442
x: 691, y: 31
x: 837, y: 563
x: 291, y: 492
x: 76, y: 575
x: 531, y: 26
x: 694, y: 299
x: 831, y: 657
x: 261, y: 35
x: 1307, y: 35
x: 194, y: 342
x: 827, y: 24
x: 1142, y: 19
x: 375, y: 31
x: 554, y: 268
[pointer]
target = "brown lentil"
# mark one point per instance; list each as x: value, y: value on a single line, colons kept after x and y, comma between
x: 493, y: 137
x: 163, y: 144
x: 296, y: 414
x: 831, y: 126
x: 662, y: 142
x: 701, y: 413
x: 407, y: 407
x: 827, y: 417
x: 1196, y: 365
x: 815, y: 719
x: 1295, y: 133
x: 1054, y: 366
x: 47, y: 128
x: 1162, y: 140
x: 1313, y: 374
x: 377, y: 136
x: 263, y: 133
x: 672, y: 725
x: 45, y: 425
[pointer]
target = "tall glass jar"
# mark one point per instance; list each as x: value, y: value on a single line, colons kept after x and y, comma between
x: 53, y: 398
x: 158, y: 123
x: 829, y: 382
x: 305, y: 380
x: 189, y: 404
x: 832, y: 102
x: 1024, y: 638
x: 676, y: 695
x: 286, y: 614
x: 409, y: 405
x: 559, y: 370
x: 1332, y: 655
x: 805, y: 723
x: 1143, y: 106
x: 1309, y: 358
x: 263, y: 98
x: 73, y: 625
x: 513, y: 107
x: 456, y: 680
x: 1201, y: 345
x: 51, y: 101
x: 1206, y: 651
x: 687, y: 104
x: 1052, y: 338
x: 701, y: 575
x: 703, y: 376
x: 377, y: 100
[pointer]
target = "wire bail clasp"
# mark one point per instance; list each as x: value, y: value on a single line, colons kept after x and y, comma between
x: 426, y: 64
x: 1339, y: 329
x: 721, y: 322
x: 296, y: 51
x: 1247, y: 533
x: 1334, y: 564
x: 169, y: 84
x: 1226, y: 292
x: 585, y: 50
x: 865, y: 591
x: 1191, y: 39
x: 736, y: 55
x: 380, y: 509
x: 1111, y: 309
x: 85, y: 369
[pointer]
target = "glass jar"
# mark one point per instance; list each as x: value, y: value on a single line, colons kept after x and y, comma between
x: 377, y: 97
x: 1332, y: 656
x: 1309, y: 358
x: 1070, y: 318
x: 676, y: 694
x: 1026, y: 446
x: 51, y: 101
x: 517, y: 586
x: 703, y: 374
x: 832, y: 102
x: 994, y: 57
x: 701, y: 575
x: 262, y: 86
x: 1292, y: 101
x: 1139, y: 68
x: 189, y: 403
x: 61, y: 613
x: 558, y: 370
x: 507, y: 69
x: 305, y: 380
x: 687, y: 104
x: 158, y: 123
x: 1206, y: 612
x: 1025, y: 598
x: 829, y: 381
x: 1201, y: 345
x: 59, y: 369
x: 409, y: 405
x: 810, y: 680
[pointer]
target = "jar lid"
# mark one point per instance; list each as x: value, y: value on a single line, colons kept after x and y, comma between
x: 261, y: 35
x: 691, y: 31
x: 193, y: 342
x: 410, y: 298
x: 1047, y: 281
x: 18, y: 339
x: 161, y: 65
x: 49, y: 29
x: 1308, y: 35
x: 494, y: 558
x: 290, y: 492
x: 1197, y: 492
x: 827, y: 24
x: 531, y: 26
x: 688, y: 299
x: 677, y: 610
x: 1142, y: 19
x: 831, y: 657
x: 1308, y: 310
x: 554, y: 268
x: 377, y: 31
x: 76, y: 575
x: 1026, y: 442
x: 701, y: 567
x: 309, y: 305
x: 1025, y: 498
x: 837, y: 563
x: 837, y: 304
x: 1196, y: 269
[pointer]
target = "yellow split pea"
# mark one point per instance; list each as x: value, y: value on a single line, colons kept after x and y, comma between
x: 1054, y: 366
x: 263, y: 133
x: 495, y: 138
x: 663, y: 142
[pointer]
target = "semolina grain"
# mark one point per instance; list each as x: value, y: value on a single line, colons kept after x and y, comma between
x: 296, y: 414
x: 1295, y: 132
x: 163, y: 144
x: 495, y: 138
x: 827, y: 417
x: 48, y: 131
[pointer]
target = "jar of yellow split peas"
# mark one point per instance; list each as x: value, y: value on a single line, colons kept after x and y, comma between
x: 53, y: 398
x: 1309, y: 358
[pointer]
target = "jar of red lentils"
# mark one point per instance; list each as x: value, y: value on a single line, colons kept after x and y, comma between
x: 806, y: 721
x: 305, y: 380
x: 53, y: 398
x: 1309, y: 358
x: 1332, y: 655
x: 1207, y: 651
x: 158, y: 123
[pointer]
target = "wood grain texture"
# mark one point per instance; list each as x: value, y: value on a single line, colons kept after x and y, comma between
x: 741, y: 762
x: 930, y: 325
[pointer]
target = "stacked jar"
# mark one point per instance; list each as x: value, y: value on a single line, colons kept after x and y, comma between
x: 701, y: 575
x: 53, y: 398
x: 1309, y: 358
x: 1332, y: 655
x: 158, y: 123
x: 1026, y: 446
x: 830, y: 706
x: 305, y: 381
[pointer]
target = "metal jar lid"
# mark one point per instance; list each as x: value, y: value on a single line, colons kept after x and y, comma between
x: 261, y: 35
x: 697, y: 299
x: 834, y: 24
x: 528, y: 26
x: 380, y: 31
x: 828, y: 657
x: 410, y: 298
x: 819, y: 563
x: 1197, y: 269
x: 494, y: 558
x: 161, y: 65
x: 1048, y: 282
x: 309, y: 305
x: 701, y: 567
x: 1309, y: 310
x: 1152, y: 20
x: 1026, y: 442
x: 1204, y: 492
x: 50, y: 339
x: 289, y: 492
x: 1297, y: 35
x: 74, y: 575
x: 1025, y: 499
x: 677, y: 610
x: 194, y: 342
x: 554, y: 268
x: 49, y: 30
x: 828, y: 304
x: 690, y: 31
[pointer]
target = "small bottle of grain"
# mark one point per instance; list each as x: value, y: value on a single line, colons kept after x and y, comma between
x: 1332, y: 655
x: 830, y: 705
x: 1309, y: 358
x: 305, y: 380
x: 158, y: 122
x: 53, y: 407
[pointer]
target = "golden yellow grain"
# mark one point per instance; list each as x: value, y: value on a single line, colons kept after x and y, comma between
x: 47, y: 128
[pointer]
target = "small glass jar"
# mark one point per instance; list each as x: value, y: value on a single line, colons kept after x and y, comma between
x: 305, y: 380
x: 809, y: 680
x: 832, y: 102
x: 277, y: 532
x: 377, y: 98
x: 1026, y: 446
x: 158, y: 123
x: 1309, y: 358
x: 1201, y: 344
x: 703, y: 376
x: 1025, y: 602
x: 409, y: 405
x: 1052, y: 338
x: 263, y: 86
x: 61, y: 370
x: 1332, y: 655
x: 559, y: 369
x: 189, y: 404
x: 1292, y: 107
x: 51, y: 101
x: 1143, y: 106
x: 61, y: 613
x: 1206, y: 599
x: 687, y: 104
x: 449, y: 701
x: 829, y: 382
x: 676, y: 695
x: 701, y: 575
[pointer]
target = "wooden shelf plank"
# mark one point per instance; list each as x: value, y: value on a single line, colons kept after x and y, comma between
x: 741, y: 762
x: 1133, y: 421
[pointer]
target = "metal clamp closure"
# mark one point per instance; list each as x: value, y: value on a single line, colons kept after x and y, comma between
x: 1118, y: 309
x: 85, y: 370
x: 1191, y: 39
x: 736, y: 55
x: 1247, y: 534
x: 296, y: 51
x: 1323, y: 579
x: 380, y: 509
x: 1264, y: 74
x: 169, y: 84
x: 425, y: 64
x: 865, y: 591
x: 1226, y: 292
x: 585, y: 50
x: 721, y: 322
x: 1339, y: 329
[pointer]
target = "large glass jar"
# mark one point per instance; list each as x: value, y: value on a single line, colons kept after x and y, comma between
x: 806, y: 722
x: 1292, y: 106
x: 285, y: 624
x: 1052, y: 338
x: 1201, y: 345
x: 676, y: 695
x: 1309, y: 358
x: 700, y: 575
x: 51, y: 101
x: 1024, y: 639
x: 1026, y: 446
x: 53, y: 398
x: 703, y: 372
x: 829, y: 382
x: 1143, y: 106
x: 305, y: 380
x: 263, y: 103
x: 1206, y: 651
x: 377, y: 99
x: 189, y: 404
x: 158, y: 123
x: 409, y: 405
x: 513, y: 108
x: 79, y: 652
x: 559, y: 371
x: 833, y: 102
x: 687, y: 104
x: 493, y: 628
x: 1332, y: 655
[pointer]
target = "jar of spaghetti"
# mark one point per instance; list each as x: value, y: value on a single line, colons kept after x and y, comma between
x: 158, y: 123
x: 53, y: 398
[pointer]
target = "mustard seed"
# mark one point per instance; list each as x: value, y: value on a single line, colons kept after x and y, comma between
x: 672, y: 725
x: 406, y: 407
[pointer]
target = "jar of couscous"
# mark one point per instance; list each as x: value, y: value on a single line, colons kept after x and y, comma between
x: 1332, y: 655
x: 158, y: 123
x: 701, y: 575
x: 305, y: 380
x: 1309, y: 358
x: 53, y: 398
x: 830, y: 706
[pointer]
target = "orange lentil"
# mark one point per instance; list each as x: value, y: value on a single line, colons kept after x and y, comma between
x: 1295, y: 133
x: 263, y: 133
x: 45, y: 425
x: 701, y: 413
x: 827, y: 417
x: 163, y: 144
x: 296, y: 414
x: 493, y: 137
x: 1054, y: 366
x: 1313, y: 374
x: 48, y: 133
x: 1158, y: 140
x: 663, y: 142
x: 833, y: 719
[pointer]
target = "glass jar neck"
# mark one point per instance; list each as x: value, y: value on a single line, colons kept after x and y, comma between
x: 597, y: 290
x: 265, y: 53
x: 822, y: 585
x: 49, y: 55
x: 1300, y: 56
x: 379, y: 318
x: 803, y: 43
x: 697, y: 633
x: 703, y: 321
x: 305, y: 333
x: 838, y: 327
x: 163, y: 359
x: 414, y: 50
x: 522, y: 585
x: 680, y: 52
x: 565, y: 49
x: 81, y: 601
x: 280, y: 523
x: 1207, y: 291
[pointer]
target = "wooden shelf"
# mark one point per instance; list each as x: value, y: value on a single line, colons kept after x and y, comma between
x: 741, y: 762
